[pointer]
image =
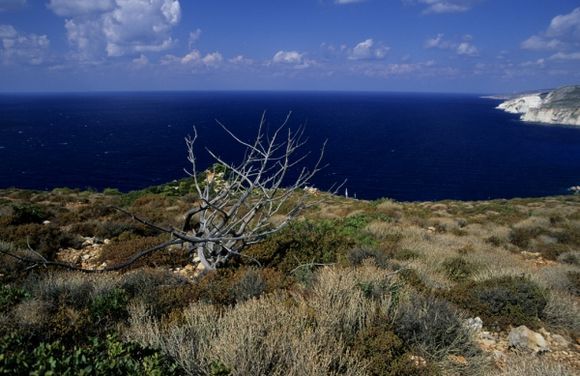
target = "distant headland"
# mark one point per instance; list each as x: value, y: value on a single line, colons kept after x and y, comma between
x: 560, y: 106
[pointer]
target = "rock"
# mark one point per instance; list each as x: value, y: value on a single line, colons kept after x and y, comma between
x: 418, y: 361
x: 107, y: 241
x: 431, y: 229
x: 522, y: 338
x: 458, y: 359
x: 544, y: 332
x: 530, y: 255
x: 46, y: 222
x: 88, y: 242
x: 474, y: 324
x: 560, y: 341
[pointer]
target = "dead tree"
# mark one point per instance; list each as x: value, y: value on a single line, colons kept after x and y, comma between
x: 236, y: 207
x: 238, y: 204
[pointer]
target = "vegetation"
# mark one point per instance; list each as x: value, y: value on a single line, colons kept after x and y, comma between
x: 350, y: 288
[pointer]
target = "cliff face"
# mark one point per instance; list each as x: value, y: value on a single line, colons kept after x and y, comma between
x: 561, y: 106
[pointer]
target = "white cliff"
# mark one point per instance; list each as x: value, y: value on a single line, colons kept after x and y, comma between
x: 561, y: 106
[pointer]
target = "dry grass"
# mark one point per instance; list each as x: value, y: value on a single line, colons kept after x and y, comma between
x: 526, y: 366
x: 278, y: 334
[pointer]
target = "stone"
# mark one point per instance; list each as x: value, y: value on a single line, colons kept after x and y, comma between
x: 530, y: 255
x: 522, y: 338
x: 458, y: 359
x: 560, y: 341
x: 46, y: 222
x: 418, y: 361
x: 107, y: 241
x: 474, y: 324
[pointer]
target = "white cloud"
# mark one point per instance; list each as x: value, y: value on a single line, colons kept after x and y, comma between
x: 241, y: 60
x: 141, y: 60
x: 444, y: 6
x: 536, y: 42
x: 212, y: 59
x: 195, y: 59
x: 438, y: 42
x: 563, y: 33
x: 566, y: 56
x: 194, y: 37
x: 22, y: 48
x: 118, y: 27
x: 567, y: 24
x: 467, y: 49
x: 288, y: 57
x: 464, y: 47
x: 368, y: 50
x: 11, y: 4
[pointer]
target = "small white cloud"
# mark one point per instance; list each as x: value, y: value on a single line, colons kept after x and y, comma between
x: 533, y: 63
x: 194, y: 37
x: 194, y: 58
x: 444, y: 6
x: 141, y: 60
x: 7, y: 31
x: 288, y: 57
x: 566, y: 56
x: 438, y: 42
x: 563, y: 33
x: 241, y: 60
x: 464, y: 47
x: 212, y: 59
x: 367, y: 50
x: 22, y: 48
x: 536, y: 42
x: 467, y: 49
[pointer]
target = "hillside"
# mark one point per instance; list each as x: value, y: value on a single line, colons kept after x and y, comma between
x: 560, y: 106
x: 352, y: 288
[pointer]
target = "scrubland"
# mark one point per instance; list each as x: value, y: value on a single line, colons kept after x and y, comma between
x: 351, y: 288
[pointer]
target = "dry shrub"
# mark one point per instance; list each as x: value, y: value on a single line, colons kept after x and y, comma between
x: 120, y: 251
x: 384, y: 231
x: 434, y: 326
x: 279, y: 334
x: 562, y: 312
x: 526, y: 366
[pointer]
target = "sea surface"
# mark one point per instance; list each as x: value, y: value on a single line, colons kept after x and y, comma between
x: 401, y: 146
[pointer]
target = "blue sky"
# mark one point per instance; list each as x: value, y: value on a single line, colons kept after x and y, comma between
x: 476, y: 46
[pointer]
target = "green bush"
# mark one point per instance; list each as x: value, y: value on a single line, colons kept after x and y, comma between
x: 23, y: 214
x: 502, y: 301
x: 111, y: 192
x: 521, y: 236
x: 106, y: 356
x: 45, y: 239
x: 109, y: 306
x: 311, y: 242
x: 574, y: 278
x: 384, y: 351
x: 433, y: 326
x: 357, y: 255
x: 10, y: 296
x: 457, y: 268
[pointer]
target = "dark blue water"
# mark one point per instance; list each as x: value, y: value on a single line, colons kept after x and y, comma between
x: 402, y: 146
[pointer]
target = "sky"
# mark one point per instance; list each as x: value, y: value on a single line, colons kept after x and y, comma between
x: 462, y: 46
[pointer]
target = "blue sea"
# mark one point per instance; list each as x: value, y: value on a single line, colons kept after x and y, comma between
x: 401, y: 146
